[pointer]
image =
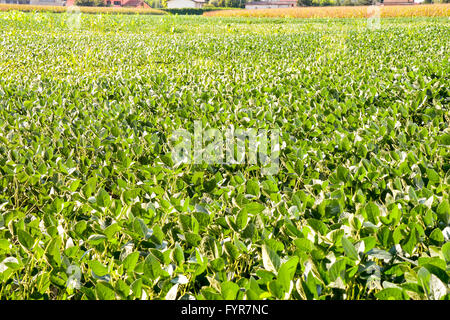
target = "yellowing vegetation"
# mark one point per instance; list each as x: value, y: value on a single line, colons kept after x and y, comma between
x: 433, y: 10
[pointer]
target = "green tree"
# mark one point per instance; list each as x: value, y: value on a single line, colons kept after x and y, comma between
x: 234, y: 3
x: 157, y: 3
x: 228, y: 3
x: 304, y: 3
x: 90, y: 3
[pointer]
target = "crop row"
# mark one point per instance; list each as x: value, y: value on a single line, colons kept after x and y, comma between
x: 432, y: 10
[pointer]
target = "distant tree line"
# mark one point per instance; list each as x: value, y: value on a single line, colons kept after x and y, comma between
x: 157, y: 4
x: 90, y: 3
x: 227, y: 3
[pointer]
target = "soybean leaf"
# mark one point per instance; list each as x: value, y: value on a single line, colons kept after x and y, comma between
x: 229, y: 290
x: 152, y: 267
x: 286, y: 272
x: 349, y: 249
x: 104, y: 291
x: 271, y: 260
x: 25, y: 239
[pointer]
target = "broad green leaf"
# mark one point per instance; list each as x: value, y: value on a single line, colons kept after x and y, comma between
x: 433, y: 176
x: 443, y: 211
x: 343, y: 174
x: 337, y: 269
x: 130, y: 261
x: 304, y: 244
x: 192, y: 239
x: 172, y: 293
x: 96, y: 239
x: 373, y: 212
x: 349, y: 249
x: 438, y: 272
x: 140, y: 227
x: 271, y: 260
x: 254, y: 207
x: 25, y: 239
x: 446, y: 251
x: 103, y: 198
x: 229, y: 290
x: 98, y: 268
x: 104, y: 291
x: 253, y: 188
x: 391, y: 294
x: 410, y: 242
x: 11, y: 263
x: 276, y: 289
x: 80, y: 227
x: 157, y: 235
x: 380, y: 254
x: 122, y: 289
x: 136, y: 287
x: 424, y: 277
x: 218, y: 264
x: 152, y: 267
x: 286, y: 272
x: 232, y: 250
x: 111, y: 230
x: 241, y: 219
x: 4, y: 244
x: 318, y: 226
x: 178, y: 254
x: 54, y: 251
x: 437, y: 235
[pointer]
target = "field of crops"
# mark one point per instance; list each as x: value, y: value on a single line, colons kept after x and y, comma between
x: 431, y: 10
x: 92, y: 205
x: 63, y: 9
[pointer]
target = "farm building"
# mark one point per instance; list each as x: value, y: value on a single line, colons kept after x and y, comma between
x: 118, y: 3
x: 270, y: 4
x: 178, y: 4
x: 36, y: 2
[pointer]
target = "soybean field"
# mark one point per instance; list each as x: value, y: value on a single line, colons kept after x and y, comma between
x: 94, y: 206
